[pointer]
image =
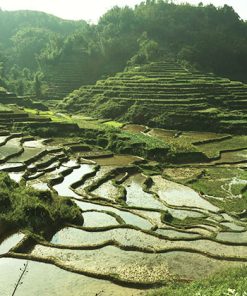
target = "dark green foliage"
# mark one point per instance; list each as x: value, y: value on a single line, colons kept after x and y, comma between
x: 26, y: 37
x: 204, y: 35
x: 167, y: 217
x: 49, y: 130
x: 110, y: 110
x: 5, y: 204
x: 148, y: 51
x: 138, y: 113
x: 213, y: 39
x: 126, y: 143
x: 38, y: 85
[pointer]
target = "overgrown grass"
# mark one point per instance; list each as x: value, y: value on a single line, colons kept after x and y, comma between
x: 112, y: 130
x: 142, y: 138
x: 4, y: 108
x: 228, y: 283
x: 136, y: 96
x: 113, y: 124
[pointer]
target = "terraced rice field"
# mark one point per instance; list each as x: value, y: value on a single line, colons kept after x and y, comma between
x: 165, y: 94
x: 139, y: 231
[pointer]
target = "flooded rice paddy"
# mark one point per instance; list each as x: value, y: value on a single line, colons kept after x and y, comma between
x: 139, y: 231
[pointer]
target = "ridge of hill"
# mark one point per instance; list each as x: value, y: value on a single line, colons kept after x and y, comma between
x: 165, y: 94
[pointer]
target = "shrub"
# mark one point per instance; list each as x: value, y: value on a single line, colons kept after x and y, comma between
x: 39, y: 212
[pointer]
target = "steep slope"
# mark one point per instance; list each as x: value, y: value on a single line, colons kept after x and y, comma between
x: 165, y: 94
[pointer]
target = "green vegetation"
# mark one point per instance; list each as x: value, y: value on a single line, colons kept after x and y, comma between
x: 4, y: 108
x: 40, y: 213
x: 223, y: 186
x: 115, y: 187
x: 113, y: 124
x: 231, y: 282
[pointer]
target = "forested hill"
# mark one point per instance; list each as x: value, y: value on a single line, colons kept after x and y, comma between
x: 59, y: 56
x: 26, y: 36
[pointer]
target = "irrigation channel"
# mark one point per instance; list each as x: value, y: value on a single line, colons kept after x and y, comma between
x: 139, y: 231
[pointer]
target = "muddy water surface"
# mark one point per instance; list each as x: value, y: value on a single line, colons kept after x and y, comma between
x: 64, y: 189
x: 10, y: 242
x: 46, y: 280
x: 11, y: 147
x: 180, y: 195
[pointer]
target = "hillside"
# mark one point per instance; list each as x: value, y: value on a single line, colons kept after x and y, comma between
x: 165, y: 94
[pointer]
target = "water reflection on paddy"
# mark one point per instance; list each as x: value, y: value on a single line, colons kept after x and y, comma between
x: 11, y: 147
x: 132, y: 237
x: 10, y: 242
x: 63, y: 189
x: 128, y: 217
x: 107, y: 191
x: 136, y: 196
x: 97, y: 219
x: 136, y: 266
x: 240, y: 237
x: 180, y: 195
x: 16, y: 176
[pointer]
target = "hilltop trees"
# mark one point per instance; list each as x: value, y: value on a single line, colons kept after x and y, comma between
x: 26, y: 39
x: 28, y: 44
x: 213, y: 39
x: 38, y: 85
x: 148, y: 51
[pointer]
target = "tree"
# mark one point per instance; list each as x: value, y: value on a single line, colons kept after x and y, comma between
x: 38, y: 85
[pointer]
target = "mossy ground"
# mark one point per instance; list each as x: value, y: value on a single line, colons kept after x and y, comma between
x: 216, y: 182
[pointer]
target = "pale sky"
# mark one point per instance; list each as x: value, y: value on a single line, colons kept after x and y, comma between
x: 91, y: 10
